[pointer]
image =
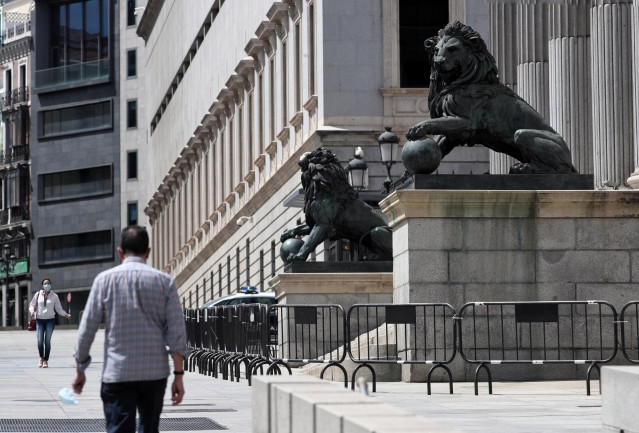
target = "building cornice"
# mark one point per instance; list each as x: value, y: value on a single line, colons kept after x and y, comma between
x: 150, y: 16
x: 15, y: 50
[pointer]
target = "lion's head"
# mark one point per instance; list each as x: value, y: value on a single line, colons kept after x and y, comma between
x: 322, y: 173
x: 459, y: 55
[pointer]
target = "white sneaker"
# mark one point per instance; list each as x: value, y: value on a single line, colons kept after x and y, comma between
x: 45, y: 364
x: 40, y: 363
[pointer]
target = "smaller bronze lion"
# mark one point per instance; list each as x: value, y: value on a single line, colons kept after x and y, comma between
x: 468, y: 105
x: 334, y: 211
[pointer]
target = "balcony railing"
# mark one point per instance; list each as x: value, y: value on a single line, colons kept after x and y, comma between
x: 15, y: 154
x: 14, y: 98
x: 72, y: 74
x: 14, y: 215
x: 15, y: 30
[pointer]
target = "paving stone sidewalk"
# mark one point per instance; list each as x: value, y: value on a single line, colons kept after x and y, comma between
x: 30, y: 393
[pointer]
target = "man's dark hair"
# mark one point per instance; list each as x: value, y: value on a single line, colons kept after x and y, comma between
x: 134, y: 239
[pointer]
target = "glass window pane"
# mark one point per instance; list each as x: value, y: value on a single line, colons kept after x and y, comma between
x: 74, y: 43
x: 80, y: 118
x: 132, y: 114
x: 132, y: 213
x: 91, y: 30
x: 130, y: 20
x: 131, y: 63
x: 77, y: 183
x: 132, y: 165
x: 77, y: 247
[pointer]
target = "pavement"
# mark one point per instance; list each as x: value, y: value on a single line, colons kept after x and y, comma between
x: 29, y: 394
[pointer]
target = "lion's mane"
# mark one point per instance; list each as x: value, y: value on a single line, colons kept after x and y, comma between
x: 482, y: 70
x: 322, y: 174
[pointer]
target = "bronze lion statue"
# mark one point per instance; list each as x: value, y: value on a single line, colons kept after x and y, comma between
x: 468, y: 105
x: 334, y: 211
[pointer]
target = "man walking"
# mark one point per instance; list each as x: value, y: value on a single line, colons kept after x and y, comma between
x: 143, y: 316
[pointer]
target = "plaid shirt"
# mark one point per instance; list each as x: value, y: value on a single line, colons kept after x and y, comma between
x: 143, y: 316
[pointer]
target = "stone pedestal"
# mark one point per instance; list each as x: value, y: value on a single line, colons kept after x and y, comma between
x: 619, y: 399
x: 459, y: 246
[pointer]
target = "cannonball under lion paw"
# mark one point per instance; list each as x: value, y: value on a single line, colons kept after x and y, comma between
x: 421, y: 156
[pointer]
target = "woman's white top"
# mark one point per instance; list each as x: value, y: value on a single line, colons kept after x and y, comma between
x: 48, y: 305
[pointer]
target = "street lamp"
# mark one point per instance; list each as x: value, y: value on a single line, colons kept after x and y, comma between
x: 9, y: 262
x: 358, y: 170
x: 388, y: 147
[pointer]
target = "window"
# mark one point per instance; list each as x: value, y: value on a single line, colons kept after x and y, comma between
x: 272, y: 100
x: 76, y: 247
x: 76, y: 183
x: 272, y: 258
x: 262, y: 270
x: 76, y: 119
x: 298, y: 68
x: 132, y: 114
x: 284, y: 85
x: 131, y: 63
x: 79, y: 33
x: 418, y: 21
x: 311, y: 49
x: 132, y: 165
x: 248, y: 261
x: 15, y: 189
x: 130, y: 13
x: 132, y: 213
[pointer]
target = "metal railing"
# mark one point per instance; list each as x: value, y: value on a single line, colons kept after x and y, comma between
x: 629, y: 321
x: 310, y: 334
x: 13, y: 30
x: 580, y: 332
x: 402, y: 334
x: 14, y: 215
x: 15, y: 154
x: 14, y: 97
x: 72, y: 74
x: 224, y: 338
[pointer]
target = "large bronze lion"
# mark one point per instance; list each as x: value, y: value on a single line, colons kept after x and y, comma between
x: 468, y: 105
x: 334, y: 211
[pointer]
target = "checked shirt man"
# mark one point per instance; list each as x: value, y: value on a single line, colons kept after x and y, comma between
x: 143, y: 318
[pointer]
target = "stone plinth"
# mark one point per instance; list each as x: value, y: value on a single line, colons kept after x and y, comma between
x: 619, y: 399
x: 459, y: 246
x: 344, y: 288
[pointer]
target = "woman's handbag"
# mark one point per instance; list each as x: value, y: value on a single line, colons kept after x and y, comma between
x: 31, y: 325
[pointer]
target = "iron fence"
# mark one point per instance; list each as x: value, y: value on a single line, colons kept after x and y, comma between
x: 580, y: 332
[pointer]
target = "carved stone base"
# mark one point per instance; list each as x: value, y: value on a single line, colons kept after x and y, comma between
x: 503, y: 181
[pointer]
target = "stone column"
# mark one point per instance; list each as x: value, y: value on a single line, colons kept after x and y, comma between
x: 611, y: 39
x: 633, y: 180
x: 502, y: 43
x: 569, y: 66
x: 17, y: 303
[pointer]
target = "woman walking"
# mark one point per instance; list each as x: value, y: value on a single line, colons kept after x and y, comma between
x: 43, y: 307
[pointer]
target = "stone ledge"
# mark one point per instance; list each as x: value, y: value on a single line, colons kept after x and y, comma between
x: 321, y: 283
x: 404, y: 204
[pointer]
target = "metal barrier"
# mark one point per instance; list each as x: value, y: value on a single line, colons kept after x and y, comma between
x: 309, y: 334
x: 580, y: 332
x: 629, y: 321
x: 413, y: 334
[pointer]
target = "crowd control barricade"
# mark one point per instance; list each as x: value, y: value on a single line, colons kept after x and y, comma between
x: 402, y: 334
x: 579, y: 332
x: 254, y: 338
x: 309, y: 334
x: 629, y: 320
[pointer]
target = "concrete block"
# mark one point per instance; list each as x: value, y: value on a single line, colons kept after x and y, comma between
x: 620, y: 399
x: 420, y: 267
x: 281, y: 411
x: 395, y: 424
x: 492, y: 266
x: 608, y: 233
x: 304, y: 406
x: 634, y: 266
x: 617, y: 294
x: 330, y: 417
x: 491, y: 234
x: 261, y: 392
x: 547, y: 234
x: 583, y: 266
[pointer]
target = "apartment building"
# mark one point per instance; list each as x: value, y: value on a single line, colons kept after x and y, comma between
x: 15, y: 173
x: 75, y: 130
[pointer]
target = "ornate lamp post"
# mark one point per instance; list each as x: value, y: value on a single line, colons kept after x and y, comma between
x: 389, y: 148
x: 358, y: 170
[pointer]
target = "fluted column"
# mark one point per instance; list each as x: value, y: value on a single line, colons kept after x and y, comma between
x: 503, y: 45
x: 612, y: 91
x: 569, y: 69
x: 633, y: 180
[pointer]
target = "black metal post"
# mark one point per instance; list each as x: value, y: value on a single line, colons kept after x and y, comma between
x: 388, y: 181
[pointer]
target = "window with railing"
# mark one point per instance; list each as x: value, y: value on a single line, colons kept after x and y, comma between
x: 76, y: 119
x: 79, y: 43
x: 71, y: 184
